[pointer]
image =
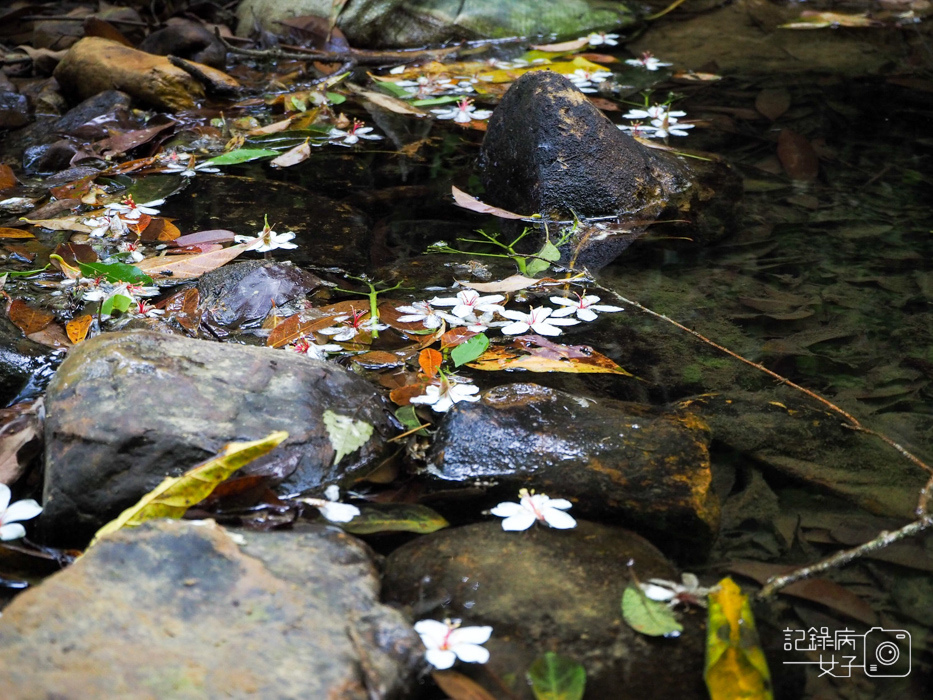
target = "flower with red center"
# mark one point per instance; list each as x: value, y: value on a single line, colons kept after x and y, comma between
x: 463, y: 113
x: 447, y: 641
x: 534, y: 507
x: 585, y: 307
x: 353, y: 135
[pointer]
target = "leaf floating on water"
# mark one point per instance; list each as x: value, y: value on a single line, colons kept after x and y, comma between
x: 241, y: 155
x: 469, y: 350
x: 651, y: 617
x: 563, y: 46
x: 460, y: 687
x: 430, y: 361
x: 735, y: 665
x: 773, y: 102
x: 190, y: 266
x: 346, y: 435
x: 173, y: 497
x: 819, y: 20
x: 512, y: 283
x: 294, y: 156
x: 462, y: 199
x: 556, y: 677
x: 395, y: 517
x: 66, y: 223
x: 499, y: 357
x: 116, y: 272
x: 29, y: 319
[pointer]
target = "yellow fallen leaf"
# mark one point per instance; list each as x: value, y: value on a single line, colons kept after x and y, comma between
x: 498, y: 357
x: 14, y: 233
x: 66, y: 223
x: 736, y: 668
x: 175, y: 495
x: 820, y: 20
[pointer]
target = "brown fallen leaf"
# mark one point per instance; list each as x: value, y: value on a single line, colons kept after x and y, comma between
x: 773, y: 102
x: 513, y: 283
x: 797, y: 156
x: 294, y: 156
x: 66, y: 223
x: 462, y: 199
x: 430, y: 361
x: 27, y: 318
x: 273, y: 128
x: 77, y: 328
x: 455, y: 337
x: 7, y: 178
x: 404, y: 394
x: 293, y: 328
x: 189, y: 266
x: 460, y: 687
x: 498, y: 357
x: 19, y: 425
x: 393, y: 104
x: 14, y: 233
x: 161, y: 230
x: 219, y: 235
x: 53, y: 335
x: 572, y: 45
x: 183, y: 307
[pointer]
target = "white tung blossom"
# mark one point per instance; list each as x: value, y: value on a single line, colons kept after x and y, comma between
x: 602, y: 39
x: 688, y: 592
x: 584, y: 307
x: 420, y: 311
x: 534, y: 507
x: 441, y: 397
x: 537, y: 320
x: 463, y: 113
x: 469, y: 302
x: 353, y: 135
x: 10, y: 529
x: 447, y: 641
x: 647, y: 61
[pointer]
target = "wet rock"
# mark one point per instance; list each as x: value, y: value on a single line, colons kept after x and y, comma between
x: 25, y: 365
x: 127, y: 409
x: 14, y: 110
x: 613, y: 459
x: 104, y: 103
x: 179, y: 609
x: 49, y: 158
x: 327, y: 233
x: 94, y: 65
x: 186, y: 39
x: 549, y: 150
x: 550, y: 590
x: 394, y: 23
x: 243, y: 293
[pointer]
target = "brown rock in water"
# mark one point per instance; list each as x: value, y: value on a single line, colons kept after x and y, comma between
x: 615, y: 460
x: 94, y: 65
x: 549, y: 150
x: 125, y: 410
x: 177, y: 609
x: 186, y: 39
x: 550, y: 590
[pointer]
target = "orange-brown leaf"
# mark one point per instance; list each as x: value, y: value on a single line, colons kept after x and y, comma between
x: 430, y: 361
x: 498, y: 357
x: 404, y: 394
x: 77, y: 328
x: 460, y: 687
x: 28, y: 319
x: 184, y: 308
x: 7, y: 178
x: 14, y: 233
x: 456, y: 336
x: 161, y: 230
x: 462, y: 199
x: 293, y: 328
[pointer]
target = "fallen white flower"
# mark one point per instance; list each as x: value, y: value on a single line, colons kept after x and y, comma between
x: 447, y: 641
x: 533, y: 507
x: 9, y: 514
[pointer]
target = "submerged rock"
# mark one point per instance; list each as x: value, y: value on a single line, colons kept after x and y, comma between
x: 25, y: 365
x: 238, y: 294
x: 179, y: 609
x: 125, y: 410
x: 549, y: 150
x: 624, y: 461
x: 395, y: 23
x: 550, y: 590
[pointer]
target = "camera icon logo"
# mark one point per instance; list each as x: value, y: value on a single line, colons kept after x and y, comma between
x: 884, y: 649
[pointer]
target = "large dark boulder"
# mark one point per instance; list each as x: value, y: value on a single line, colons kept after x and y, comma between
x: 617, y: 461
x: 125, y: 410
x: 549, y: 150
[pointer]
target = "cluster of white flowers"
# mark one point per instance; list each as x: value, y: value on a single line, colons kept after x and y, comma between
x: 662, y: 122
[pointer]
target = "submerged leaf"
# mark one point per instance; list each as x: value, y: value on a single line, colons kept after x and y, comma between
x: 346, y: 435
x: 542, y: 260
x: 395, y: 517
x: 460, y: 687
x: 556, y: 677
x: 647, y: 616
x: 175, y: 495
x: 115, y: 272
x: 462, y: 199
x: 735, y: 664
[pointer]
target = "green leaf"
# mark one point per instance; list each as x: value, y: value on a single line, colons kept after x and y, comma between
x: 444, y: 99
x: 346, y: 435
x: 115, y: 272
x: 647, y: 616
x: 26, y: 273
x: 335, y: 98
x: 470, y: 350
x: 175, y: 495
x: 119, y: 302
x: 543, y: 259
x: 242, y: 155
x: 395, y: 517
x: 555, y: 677
x: 393, y: 89
x: 409, y: 418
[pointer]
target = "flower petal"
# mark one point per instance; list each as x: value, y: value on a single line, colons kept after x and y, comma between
x: 440, y: 658
x: 559, y: 503
x: 432, y: 632
x: 21, y: 510
x: 5, y: 493
x: 471, y: 653
x: 516, y: 328
x: 339, y: 512
x: 586, y: 315
x: 558, y: 519
x: 508, y: 509
x: 12, y: 532
x: 519, y: 521
x: 470, y: 635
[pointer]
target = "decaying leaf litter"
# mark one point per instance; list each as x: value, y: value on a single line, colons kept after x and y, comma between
x: 825, y: 286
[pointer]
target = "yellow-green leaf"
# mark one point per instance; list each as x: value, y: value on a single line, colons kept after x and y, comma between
x: 346, y: 435
x: 175, y: 495
x: 736, y: 668
x: 395, y: 517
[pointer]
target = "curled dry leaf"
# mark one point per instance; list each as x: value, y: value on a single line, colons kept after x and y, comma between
x: 462, y: 199
x: 293, y: 156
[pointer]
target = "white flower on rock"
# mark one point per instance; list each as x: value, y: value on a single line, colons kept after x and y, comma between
x: 469, y: 302
x: 585, y: 307
x: 447, y: 641
x: 10, y: 529
x: 689, y: 592
x: 441, y: 397
x: 602, y: 39
x: 537, y: 320
x: 463, y: 113
x: 306, y: 346
x: 534, y: 507
x: 647, y: 61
